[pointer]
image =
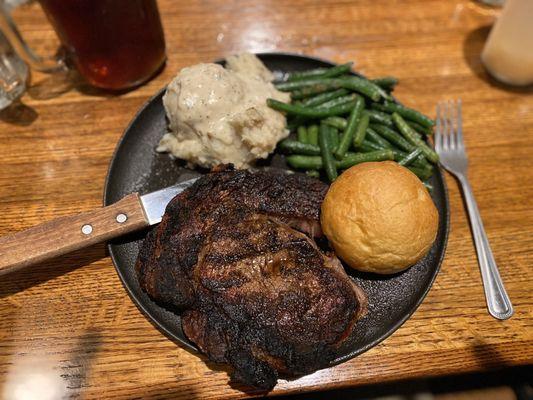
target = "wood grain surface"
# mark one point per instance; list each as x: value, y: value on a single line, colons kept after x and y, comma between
x: 69, y: 326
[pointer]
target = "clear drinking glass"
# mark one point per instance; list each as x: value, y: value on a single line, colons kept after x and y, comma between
x: 492, y: 3
x: 13, y: 74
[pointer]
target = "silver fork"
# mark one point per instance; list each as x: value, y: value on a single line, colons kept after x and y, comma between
x: 451, y: 149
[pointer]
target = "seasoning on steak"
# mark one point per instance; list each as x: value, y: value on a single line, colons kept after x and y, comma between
x: 235, y: 255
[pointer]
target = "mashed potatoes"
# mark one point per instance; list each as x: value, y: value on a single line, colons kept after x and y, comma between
x: 219, y: 115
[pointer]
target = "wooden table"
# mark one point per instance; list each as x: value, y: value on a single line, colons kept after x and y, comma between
x: 68, y: 325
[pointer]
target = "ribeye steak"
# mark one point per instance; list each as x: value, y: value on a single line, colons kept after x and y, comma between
x: 235, y: 255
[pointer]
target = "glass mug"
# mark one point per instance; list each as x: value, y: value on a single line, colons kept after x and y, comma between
x: 114, y: 44
x: 13, y: 74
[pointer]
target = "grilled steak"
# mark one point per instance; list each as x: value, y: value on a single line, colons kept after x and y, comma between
x: 235, y: 255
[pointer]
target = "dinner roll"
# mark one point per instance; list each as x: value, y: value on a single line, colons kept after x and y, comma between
x: 379, y: 217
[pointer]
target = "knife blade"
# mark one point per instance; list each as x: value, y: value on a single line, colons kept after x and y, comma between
x: 69, y: 233
x: 155, y: 203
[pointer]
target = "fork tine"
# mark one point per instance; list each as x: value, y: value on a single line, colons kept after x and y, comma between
x: 438, y: 129
x: 453, y: 124
x: 446, y: 123
x: 459, y: 138
x: 443, y: 123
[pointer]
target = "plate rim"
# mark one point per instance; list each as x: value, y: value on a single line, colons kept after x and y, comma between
x: 189, y: 345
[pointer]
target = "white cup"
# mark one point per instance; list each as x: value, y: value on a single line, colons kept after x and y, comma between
x: 508, y: 52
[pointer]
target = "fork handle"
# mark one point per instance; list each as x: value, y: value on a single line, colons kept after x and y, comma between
x: 498, y: 301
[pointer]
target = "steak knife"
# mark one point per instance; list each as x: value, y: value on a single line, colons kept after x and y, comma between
x: 67, y: 234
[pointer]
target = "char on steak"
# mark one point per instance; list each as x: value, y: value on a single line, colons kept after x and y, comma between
x: 235, y: 255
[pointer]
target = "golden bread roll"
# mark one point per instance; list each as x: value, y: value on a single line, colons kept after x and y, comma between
x: 379, y: 217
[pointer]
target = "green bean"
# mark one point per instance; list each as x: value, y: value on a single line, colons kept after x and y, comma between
x: 302, y: 134
x: 296, y: 85
x: 336, y: 122
x: 406, y: 112
x: 347, y: 136
x: 334, y: 138
x: 360, y: 130
x: 410, y: 157
x: 386, y: 82
x: 338, y: 101
x: 364, y: 86
x: 380, y: 117
x: 349, y: 160
x: 310, y: 112
x: 413, y: 138
x: 304, y: 162
x: 368, y: 145
x: 311, y: 91
x: 305, y: 88
x: 299, y: 120
x: 422, y: 173
x: 358, y: 158
x: 338, y: 70
x: 379, y: 107
x: 324, y: 83
x: 320, y: 72
x: 419, y: 162
x: 301, y: 75
x: 312, y: 134
x: 325, y: 150
x: 423, y: 129
x: 420, y: 129
x: 313, y: 173
x: 399, y: 155
x: 323, y: 97
x: 293, y: 146
x: 393, y: 137
x: 374, y: 137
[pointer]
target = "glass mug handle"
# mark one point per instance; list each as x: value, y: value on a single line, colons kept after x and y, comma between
x: 8, y: 27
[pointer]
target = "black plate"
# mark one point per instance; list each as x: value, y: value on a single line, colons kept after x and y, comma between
x: 136, y: 167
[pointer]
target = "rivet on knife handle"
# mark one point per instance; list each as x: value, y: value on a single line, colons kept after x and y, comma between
x: 66, y: 234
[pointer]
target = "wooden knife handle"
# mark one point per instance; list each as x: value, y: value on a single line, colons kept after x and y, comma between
x: 66, y: 234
